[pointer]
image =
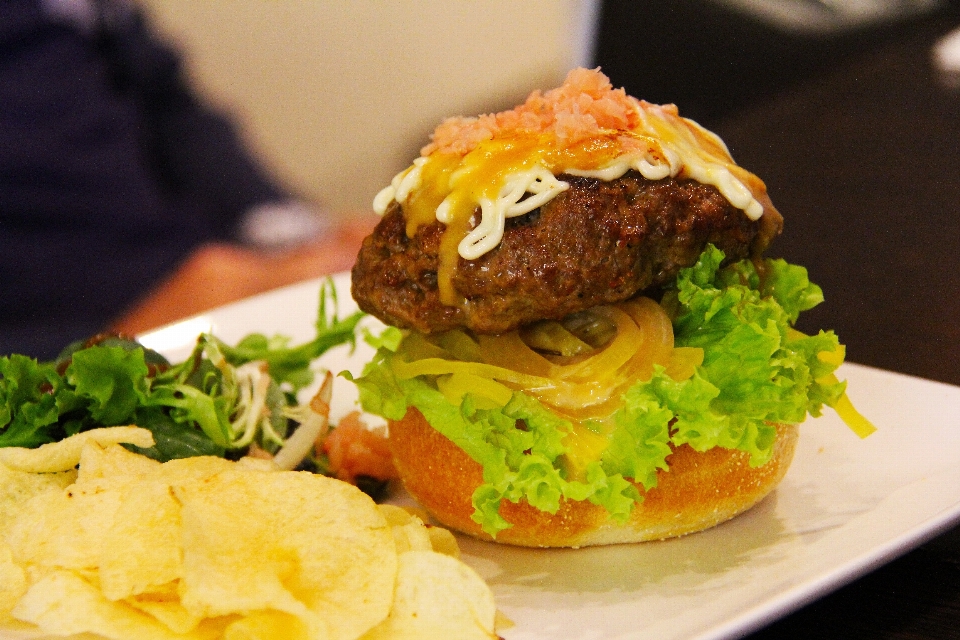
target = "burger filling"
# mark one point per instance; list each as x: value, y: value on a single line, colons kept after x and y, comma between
x: 589, y: 408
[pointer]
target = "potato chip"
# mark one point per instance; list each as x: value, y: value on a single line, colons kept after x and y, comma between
x: 437, y: 597
x: 166, y: 608
x: 64, y: 528
x: 13, y: 581
x: 142, y: 550
x: 112, y: 465
x: 307, y: 545
x: 258, y: 464
x: 267, y: 625
x: 443, y: 541
x: 65, y: 454
x: 17, y: 487
x: 62, y: 603
x: 204, y: 548
x: 396, y: 516
x: 409, y: 532
x: 194, y: 470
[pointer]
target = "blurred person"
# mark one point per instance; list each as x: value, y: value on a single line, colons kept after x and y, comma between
x: 125, y: 202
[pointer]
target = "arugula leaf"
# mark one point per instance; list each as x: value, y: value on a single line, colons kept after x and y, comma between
x: 171, y: 439
x: 188, y: 406
x: 291, y: 365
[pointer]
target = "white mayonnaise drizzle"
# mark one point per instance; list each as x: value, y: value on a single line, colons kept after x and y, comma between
x: 400, y: 187
x: 697, y: 162
x: 539, y: 182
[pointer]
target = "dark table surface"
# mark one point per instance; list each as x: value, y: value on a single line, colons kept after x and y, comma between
x: 858, y: 141
x: 872, y: 204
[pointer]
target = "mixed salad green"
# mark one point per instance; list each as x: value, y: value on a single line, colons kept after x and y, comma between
x: 221, y: 400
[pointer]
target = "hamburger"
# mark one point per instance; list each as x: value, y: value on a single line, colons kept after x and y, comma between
x: 588, y: 345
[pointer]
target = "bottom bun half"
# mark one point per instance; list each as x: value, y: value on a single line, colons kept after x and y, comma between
x: 698, y: 491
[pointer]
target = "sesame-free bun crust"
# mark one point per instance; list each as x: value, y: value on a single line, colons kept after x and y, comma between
x: 698, y: 491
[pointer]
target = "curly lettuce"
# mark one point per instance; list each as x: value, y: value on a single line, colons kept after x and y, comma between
x: 757, y: 371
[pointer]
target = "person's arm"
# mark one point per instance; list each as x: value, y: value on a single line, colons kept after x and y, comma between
x: 195, y: 151
x: 216, y: 274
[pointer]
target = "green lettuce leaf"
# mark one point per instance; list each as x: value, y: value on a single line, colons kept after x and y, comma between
x: 28, y: 413
x: 756, y: 372
x: 291, y: 364
x: 742, y: 322
x: 517, y: 463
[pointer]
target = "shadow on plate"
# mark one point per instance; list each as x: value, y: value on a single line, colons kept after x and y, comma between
x: 685, y: 562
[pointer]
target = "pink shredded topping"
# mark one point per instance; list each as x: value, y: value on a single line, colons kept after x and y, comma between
x: 583, y: 106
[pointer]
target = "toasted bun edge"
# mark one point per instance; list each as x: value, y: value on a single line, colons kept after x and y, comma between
x: 698, y: 491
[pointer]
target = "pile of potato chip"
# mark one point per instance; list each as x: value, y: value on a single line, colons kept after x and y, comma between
x: 201, y: 548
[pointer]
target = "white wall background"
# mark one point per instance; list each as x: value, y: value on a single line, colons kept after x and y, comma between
x: 337, y: 96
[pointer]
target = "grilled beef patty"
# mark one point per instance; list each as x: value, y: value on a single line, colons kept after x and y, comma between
x: 597, y: 242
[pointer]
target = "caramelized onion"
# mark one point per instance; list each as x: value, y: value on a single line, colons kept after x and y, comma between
x: 550, y: 336
x: 575, y: 379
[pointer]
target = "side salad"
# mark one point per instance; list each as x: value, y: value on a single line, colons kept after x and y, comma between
x: 223, y: 400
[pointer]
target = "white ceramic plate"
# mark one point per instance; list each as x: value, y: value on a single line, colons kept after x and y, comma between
x: 845, y: 507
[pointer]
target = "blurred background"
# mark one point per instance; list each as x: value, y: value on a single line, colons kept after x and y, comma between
x: 844, y: 108
x: 337, y: 97
x: 848, y: 110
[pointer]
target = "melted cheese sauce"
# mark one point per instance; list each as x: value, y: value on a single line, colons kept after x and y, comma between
x: 512, y: 175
